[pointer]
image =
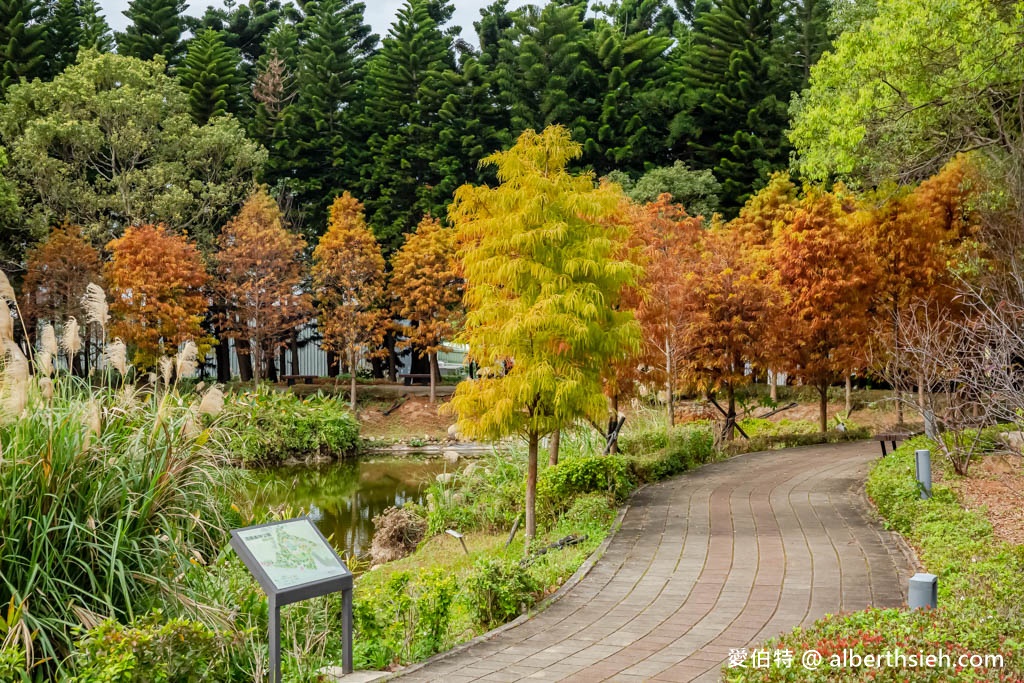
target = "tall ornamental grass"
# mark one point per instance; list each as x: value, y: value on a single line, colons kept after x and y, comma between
x: 107, y: 494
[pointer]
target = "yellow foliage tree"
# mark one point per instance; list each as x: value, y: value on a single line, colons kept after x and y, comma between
x: 543, y: 280
x: 348, y: 282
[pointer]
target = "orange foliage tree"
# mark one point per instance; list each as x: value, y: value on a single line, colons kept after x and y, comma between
x: 731, y: 302
x: 260, y: 271
x: 666, y: 245
x: 829, y: 274
x: 57, y: 272
x: 157, y: 281
x: 426, y: 289
x: 348, y: 281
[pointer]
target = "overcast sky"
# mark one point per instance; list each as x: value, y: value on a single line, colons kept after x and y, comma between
x: 379, y: 13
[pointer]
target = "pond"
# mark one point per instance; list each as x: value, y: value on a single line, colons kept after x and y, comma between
x: 344, y: 497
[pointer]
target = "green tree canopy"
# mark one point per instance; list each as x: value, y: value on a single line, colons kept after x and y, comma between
x: 211, y: 77
x: 544, y: 270
x: 23, y: 48
x: 155, y: 29
x: 110, y: 143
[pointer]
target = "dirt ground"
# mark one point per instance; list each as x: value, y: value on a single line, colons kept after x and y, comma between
x: 995, y: 485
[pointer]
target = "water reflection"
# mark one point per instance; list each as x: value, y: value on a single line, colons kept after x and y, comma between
x: 343, y: 498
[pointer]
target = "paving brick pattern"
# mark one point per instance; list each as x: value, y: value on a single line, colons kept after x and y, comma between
x: 719, y: 558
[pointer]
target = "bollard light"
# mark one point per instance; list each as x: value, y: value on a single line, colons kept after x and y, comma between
x: 923, y: 462
x: 924, y: 591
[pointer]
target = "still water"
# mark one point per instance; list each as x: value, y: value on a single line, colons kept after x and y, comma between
x: 344, y: 497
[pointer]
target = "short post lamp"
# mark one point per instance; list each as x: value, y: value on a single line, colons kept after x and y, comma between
x: 923, y: 465
x: 924, y: 591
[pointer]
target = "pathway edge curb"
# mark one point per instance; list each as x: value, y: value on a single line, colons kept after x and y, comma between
x: 577, y: 576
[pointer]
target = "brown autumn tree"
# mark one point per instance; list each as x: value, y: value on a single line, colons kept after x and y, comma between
x: 731, y: 301
x: 667, y: 244
x: 828, y: 273
x: 348, y: 282
x: 58, y: 270
x: 157, y: 282
x: 260, y: 273
x: 426, y: 289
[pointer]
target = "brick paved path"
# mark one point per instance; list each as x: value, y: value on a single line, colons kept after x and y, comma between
x: 719, y: 558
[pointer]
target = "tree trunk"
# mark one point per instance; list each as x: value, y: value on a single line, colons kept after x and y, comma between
x: 244, y: 354
x: 352, y: 381
x: 823, y: 407
x: 849, y: 395
x: 669, y: 388
x: 432, y: 357
x: 531, y: 490
x: 773, y: 386
x: 295, y: 352
x: 899, y: 408
x: 332, y: 364
x: 553, y: 444
x: 389, y: 342
x: 921, y: 391
x: 613, y: 424
x: 729, y: 431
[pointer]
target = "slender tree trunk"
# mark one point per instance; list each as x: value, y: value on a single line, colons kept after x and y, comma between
x: 773, y: 386
x: 434, y: 371
x: 823, y: 407
x: 531, y: 490
x: 921, y: 391
x: 899, y: 408
x: 223, y: 348
x: 332, y: 364
x: 613, y: 424
x: 389, y: 342
x: 553, y: 443
x: 668, y: 386
x: 244, y: 354
x: 295, y: 352
x: 730, y: 418
x: 849, y: 395
x: 352, y: 380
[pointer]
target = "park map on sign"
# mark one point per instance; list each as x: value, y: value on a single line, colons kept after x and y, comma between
x: 292, y: 554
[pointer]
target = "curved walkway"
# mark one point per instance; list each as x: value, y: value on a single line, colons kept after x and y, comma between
x: 719, y: 558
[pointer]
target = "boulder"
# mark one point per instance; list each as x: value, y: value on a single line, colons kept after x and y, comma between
x: 451, y: 457
x: 445, y: 477
x: 453, y: 432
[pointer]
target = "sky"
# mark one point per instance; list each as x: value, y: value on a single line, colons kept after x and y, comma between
x: 379, y: 13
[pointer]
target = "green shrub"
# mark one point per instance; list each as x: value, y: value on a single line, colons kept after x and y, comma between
x: 270, y: 426
x: 589, y: 510
x: 488, y: 499
x: 152, y: 650
x: 499, y: 590
x: 606, y: 474
x: 682, y: 448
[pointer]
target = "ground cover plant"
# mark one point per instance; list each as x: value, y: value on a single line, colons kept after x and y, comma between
x: 980, y: 592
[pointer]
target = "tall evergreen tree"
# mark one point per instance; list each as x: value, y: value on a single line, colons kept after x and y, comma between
x: 64, y: 34
x: 155, y: 29
x: 22, y: 42
x: 274, y: 91
x: 210, y: 76
x: 806, y: 35
x: 734, y: 100
x: 245, y: 26
x: 95, y: 32
x: 321, y: 63
x: 405, y: 84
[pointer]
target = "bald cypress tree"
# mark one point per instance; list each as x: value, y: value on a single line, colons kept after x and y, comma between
x: 155, y: 29
x: 211, y: 77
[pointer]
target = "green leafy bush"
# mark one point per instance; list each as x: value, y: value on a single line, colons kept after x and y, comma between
x: 152, y: 650
x: 589, y: 510
x: 683, y: 448
x: 499, y: 590
x: 608, y: 474
x: 270, y: 426
x: 487, y: 497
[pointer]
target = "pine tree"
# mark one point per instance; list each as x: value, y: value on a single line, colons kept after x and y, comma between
x: 734, y: 101
x: 245, y: 26
x: 331, y: 66
x: 405, y: 93
x: 64, y: 34
x: 210, y: 76
x: 22, y: 42
x: 95, y: 32
x: 806, y: 35
x: 155, y: 29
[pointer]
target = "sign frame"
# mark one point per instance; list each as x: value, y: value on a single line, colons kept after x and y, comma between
x: 278, y: 597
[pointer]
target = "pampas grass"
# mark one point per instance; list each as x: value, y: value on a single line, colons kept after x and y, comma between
x: 15, y: 380
x: 71, y: 341
x: 6, y: 291
x: 166, y: 368
x: 48, y: 339
x: 44, y: 364
x: 95, y: 304
x: 6, y: 323
x: 213, y: 401
x: 116, y: 354
x: 186, y: 361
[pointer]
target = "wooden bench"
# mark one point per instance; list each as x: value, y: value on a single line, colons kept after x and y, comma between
x: 409, y: 377
x: 893, y: 437
x: 291, y: 379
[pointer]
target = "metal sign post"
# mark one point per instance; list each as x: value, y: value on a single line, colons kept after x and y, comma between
x: 292, y: 561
